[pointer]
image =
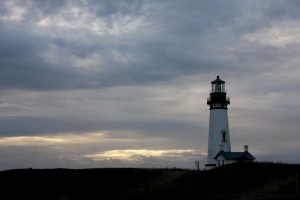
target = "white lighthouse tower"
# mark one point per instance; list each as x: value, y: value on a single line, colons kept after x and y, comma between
x: 218, y: 122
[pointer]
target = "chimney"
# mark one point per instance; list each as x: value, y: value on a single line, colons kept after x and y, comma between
x: 245, y: 148
x: 221, y: 147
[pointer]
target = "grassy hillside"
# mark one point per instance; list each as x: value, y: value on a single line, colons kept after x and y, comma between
x: 238, y: 181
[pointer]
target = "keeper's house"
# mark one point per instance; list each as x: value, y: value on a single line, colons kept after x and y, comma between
x: 224, y: 158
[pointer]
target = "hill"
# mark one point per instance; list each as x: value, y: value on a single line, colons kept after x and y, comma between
x: 238, y: 181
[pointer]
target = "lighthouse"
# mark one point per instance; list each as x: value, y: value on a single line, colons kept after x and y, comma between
x: 219, y: 139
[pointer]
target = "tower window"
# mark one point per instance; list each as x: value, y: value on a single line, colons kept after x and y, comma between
x: 224, y: 136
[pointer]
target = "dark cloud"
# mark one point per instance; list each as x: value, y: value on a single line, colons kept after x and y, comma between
x: 18, y: 126
x: 148, y: 58
x: 21, y: 65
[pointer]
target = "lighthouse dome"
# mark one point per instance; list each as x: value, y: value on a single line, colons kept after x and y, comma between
x: 218, y: 81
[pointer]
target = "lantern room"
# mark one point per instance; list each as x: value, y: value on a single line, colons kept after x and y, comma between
x: 217, y: 98
x: 218, y: 85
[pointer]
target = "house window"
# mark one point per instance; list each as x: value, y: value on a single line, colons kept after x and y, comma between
x: 219, y: 163
x: 223, y: 162
x: 224, y: 136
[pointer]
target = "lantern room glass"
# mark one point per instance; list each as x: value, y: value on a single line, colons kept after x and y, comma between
x: 218, y: 87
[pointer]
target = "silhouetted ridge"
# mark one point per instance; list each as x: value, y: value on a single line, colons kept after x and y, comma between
x: 237, y: 181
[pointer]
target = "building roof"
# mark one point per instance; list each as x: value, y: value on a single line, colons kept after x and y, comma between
x: 235, y: 155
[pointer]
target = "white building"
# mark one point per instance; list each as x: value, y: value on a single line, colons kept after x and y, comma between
x: 224, y: 158
x: 219, y: 129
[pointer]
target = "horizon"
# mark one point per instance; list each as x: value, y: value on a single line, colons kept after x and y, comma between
x: 153, y: 168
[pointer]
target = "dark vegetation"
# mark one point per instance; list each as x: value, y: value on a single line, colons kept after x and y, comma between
x: 238, y: 181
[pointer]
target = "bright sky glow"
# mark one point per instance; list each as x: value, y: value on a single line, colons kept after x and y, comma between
x: 52, y: 139
x: 135, y: 154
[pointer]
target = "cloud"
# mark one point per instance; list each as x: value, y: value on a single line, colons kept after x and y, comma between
x: 153, y: 110
x: 108, y: 44
x: 90, y: 150
x: 51, y: 139
x: 183, y: 158
x: 278, y: 35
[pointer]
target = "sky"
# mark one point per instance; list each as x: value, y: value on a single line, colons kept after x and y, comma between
x: 124, y: 83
